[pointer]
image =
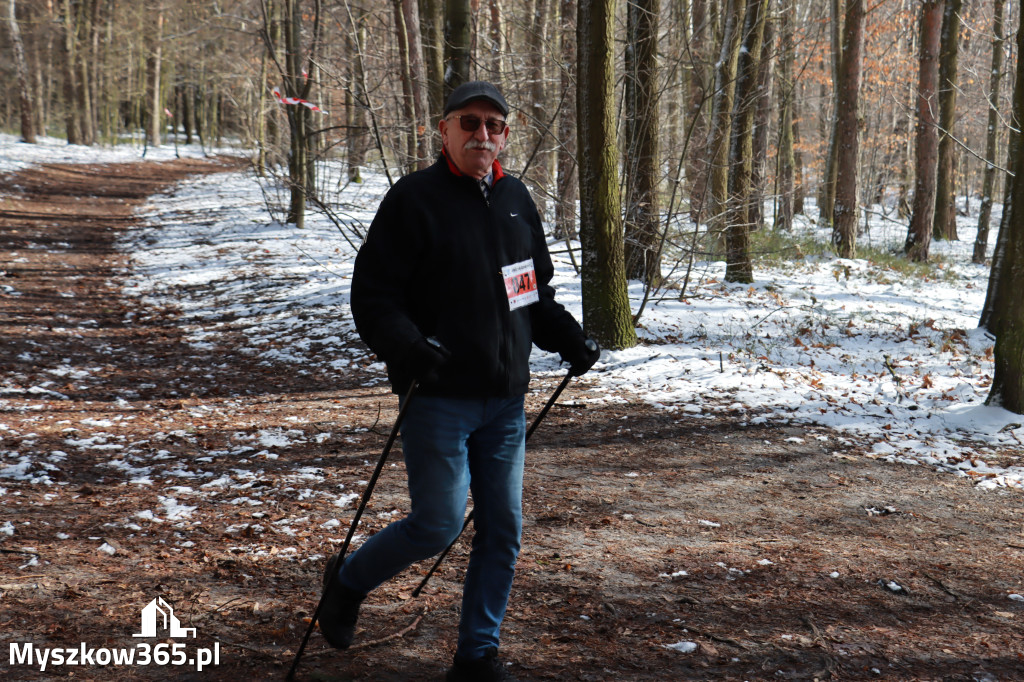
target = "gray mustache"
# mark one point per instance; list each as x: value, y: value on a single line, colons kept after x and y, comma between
x: 477, y: 144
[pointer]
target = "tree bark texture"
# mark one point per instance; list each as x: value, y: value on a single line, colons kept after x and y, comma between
x: 1008, y: 306
x: 21, y: 66
x: 643, y: 234
x: 458, y: 24
x: 927, y: 134
x: 762, y: 116
x: 697, y: 105
x: 567, y: 180
x: 994, y: 309
x: 786, y: 90
x: 300, y: 75
x: 721, y: 112
x: 409, y: 122
x: 72, y: 118
x: 357, y: 132
x: 156, y: 113
x: 494, y: 40
x: 799, y: 185
x: 606, y: 313
x: 944, y: 222
x: 540, y: 143
x: 738, y: 264
x: 844, y: 214
x: 991, y: 136
x: 418, y: 83
x: 827, y: 189
x: 432, y: 25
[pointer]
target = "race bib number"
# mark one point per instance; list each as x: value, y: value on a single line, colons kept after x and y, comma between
x: 520, y: 284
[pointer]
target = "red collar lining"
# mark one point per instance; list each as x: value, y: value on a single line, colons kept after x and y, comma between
x: 496, y: 168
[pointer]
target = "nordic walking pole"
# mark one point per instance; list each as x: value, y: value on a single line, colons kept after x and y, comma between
x: 469, y: 517
x: 352, y: 529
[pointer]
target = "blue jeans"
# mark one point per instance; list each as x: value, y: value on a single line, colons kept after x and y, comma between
x: 452, y: 446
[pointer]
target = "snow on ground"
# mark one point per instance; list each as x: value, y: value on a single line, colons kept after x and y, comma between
x: 896, y: 364
x: 16, y: 155
x: 893, y: 363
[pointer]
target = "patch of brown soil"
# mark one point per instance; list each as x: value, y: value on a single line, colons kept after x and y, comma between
x: 774, y: 548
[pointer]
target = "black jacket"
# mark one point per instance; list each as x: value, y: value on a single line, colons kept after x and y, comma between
x: 432, y: 266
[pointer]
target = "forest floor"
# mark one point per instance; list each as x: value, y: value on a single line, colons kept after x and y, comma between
x: 773, y: 551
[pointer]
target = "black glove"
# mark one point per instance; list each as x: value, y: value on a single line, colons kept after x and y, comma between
x: 425, y: 359
x: 582, y: 357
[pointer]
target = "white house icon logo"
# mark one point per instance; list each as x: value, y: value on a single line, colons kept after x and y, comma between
x: 170, y: 621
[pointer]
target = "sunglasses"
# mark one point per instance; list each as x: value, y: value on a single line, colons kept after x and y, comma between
x: 471, y: 124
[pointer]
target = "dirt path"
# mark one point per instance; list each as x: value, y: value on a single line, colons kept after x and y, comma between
x: 133, y: 466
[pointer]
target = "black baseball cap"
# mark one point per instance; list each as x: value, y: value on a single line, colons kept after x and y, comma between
x: 474, y: 90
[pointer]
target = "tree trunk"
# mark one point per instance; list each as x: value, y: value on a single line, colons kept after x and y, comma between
x: 539, y: 142
x: 992, y: 311
x: 356, y: 129
x: 697, y: 169
x: 494, y: 41
x: 762, y: 115
x: 643, y: 242
x: 738, y: 266
x: 153, y: 136
x: 409, y: 122
x: 432, y: 24
x: 844, y: 213
x: 458, y: 25
x: 568, y: 186
x: 944, y: 221
x: 21, y: 66
x: 827, y: 190
x: 298, y: 148
x: 784, y: 220
x: 86, y: 58
x: 71, y: 117
x: 300, y: 74
x: 992, y: 136
x: 606, y: 313
x: 721, y: 111
x: 418, y: 84
x: 927, y: 145
x: 799, y: 186
x: 1008, y: 305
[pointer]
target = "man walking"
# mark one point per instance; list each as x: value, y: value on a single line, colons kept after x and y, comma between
x: 451, y: 289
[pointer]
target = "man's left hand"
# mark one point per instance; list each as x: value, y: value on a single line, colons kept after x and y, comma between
x: 582, y: 357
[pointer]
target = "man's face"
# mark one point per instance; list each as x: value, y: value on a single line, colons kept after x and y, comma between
x: 473, y: 151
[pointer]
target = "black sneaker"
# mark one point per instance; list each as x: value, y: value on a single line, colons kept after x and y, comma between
x: 339, y: 609
x: 485, y: 669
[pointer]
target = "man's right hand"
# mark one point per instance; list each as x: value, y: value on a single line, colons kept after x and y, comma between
x: 425, y: 359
